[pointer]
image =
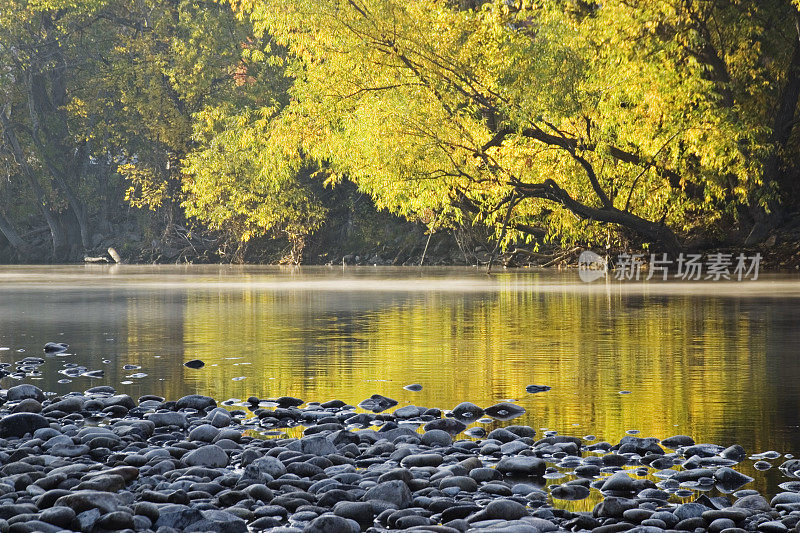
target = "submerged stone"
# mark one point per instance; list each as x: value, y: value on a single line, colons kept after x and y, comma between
x: 377, y: 403
x: 504, y: 411
x: 55, y: 347
x: 533, y: 389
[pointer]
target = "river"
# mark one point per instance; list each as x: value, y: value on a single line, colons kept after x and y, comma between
x: 719, y: 361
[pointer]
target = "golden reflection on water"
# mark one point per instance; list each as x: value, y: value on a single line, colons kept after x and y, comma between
x: 714, y: 361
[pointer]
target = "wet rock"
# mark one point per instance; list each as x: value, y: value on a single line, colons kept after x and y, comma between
x: 731, y: 479
x: 361, y: 512
x: 503, y: 435
x: 122, y: 400
x: 462, y: 483
x: 218, y: 521
x: 395, y: 492
x: 84, y: 500
x: 317, y: 445
x: 194, y: 363
x: 377, y: 403
x: 103, y: 482
x: 762, y: 465
x: 116, y: 521
x: 421, y: 460
x: 521, y: 466
x: 619, y: 482
x: 220, y: 419
x: 177, y: 516
x: 269, y: 466
x: 785, y: 497
x: 210, y: 455
x: 20, y: 424
x: 570, y: 492
x: 330, y: 523
x: 505, y: 509
x: 719, y: 524
x: 24, y: 392
x: 204, y: 433
x: 734, y: 453
x: 58, y: 516
x: 55, y: 347
x: 690, y: 510
x: 409, y: 411
x: 28, y: 405
x: 504, y: 411
x: 613, y: 507
x: 467, y: 411
x: 72, y: 404
x: 87, y: 519
x: 284, y: 402
x: 168, y: 419
x: 773, y: 526
x: 754, y: 502
x: 436, y: 438
x: 533, y: 389
x: 449, y: 425
x: 677, y: 441
x: 195, y: 401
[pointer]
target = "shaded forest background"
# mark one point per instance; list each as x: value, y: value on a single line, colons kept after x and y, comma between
x: 385, y: 131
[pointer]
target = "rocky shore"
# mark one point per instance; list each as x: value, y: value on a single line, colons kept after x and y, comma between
x: 99, y: 461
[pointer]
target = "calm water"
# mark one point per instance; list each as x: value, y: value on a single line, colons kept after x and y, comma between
x: 717, y: 361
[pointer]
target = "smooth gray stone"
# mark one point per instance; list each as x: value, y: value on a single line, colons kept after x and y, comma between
x: 204, y: 433
x: 330, y: 523
x: 23, y: 392
x: 690, y: 510
x: 317, y: 445
x: 754, y: 502
x: 210, y: 455
x: 168, y: 419
x: 522, y: 466
x: 20, y: 424
x: 196, y: 401
x: 84, y: 500
x: 436, y: 437
x: 395, y: 492
x: 218, y: 521
x: 420, y: 460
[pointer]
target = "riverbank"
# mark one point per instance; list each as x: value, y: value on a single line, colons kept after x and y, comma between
x: 101, y: 461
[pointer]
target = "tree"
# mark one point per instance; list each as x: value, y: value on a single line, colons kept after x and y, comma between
x: 651, y: 116
x: 101, y: 91
x: 239, y: 176
x: 35, y: 76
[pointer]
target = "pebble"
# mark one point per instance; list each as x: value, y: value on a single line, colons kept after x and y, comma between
x: 162, y: 466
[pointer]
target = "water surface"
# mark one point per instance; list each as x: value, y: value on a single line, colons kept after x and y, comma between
x: 717, y: 360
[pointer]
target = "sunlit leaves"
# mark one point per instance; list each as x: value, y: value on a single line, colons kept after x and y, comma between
x: 668, y: 102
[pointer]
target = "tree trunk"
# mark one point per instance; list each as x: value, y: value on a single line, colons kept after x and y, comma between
x: 21, y: 248
x: 768, y: 218
x: 60, y: 245
x: 104, y: 224
x: 38, y: 103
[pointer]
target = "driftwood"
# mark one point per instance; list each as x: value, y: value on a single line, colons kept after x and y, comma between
x: 114, y: 255
x: 562, y: 257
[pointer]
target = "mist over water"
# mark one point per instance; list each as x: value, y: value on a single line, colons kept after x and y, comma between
x: 717, y: 361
